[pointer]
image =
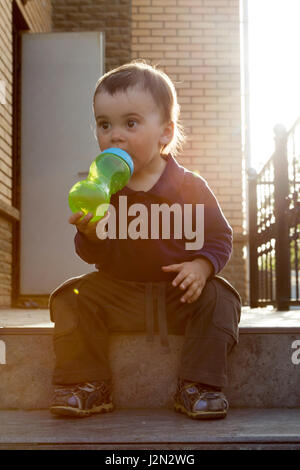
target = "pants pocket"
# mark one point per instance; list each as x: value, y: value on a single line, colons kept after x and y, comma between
x: 227, y: 313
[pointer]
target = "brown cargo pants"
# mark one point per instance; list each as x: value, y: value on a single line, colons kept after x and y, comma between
x: 87, y: 308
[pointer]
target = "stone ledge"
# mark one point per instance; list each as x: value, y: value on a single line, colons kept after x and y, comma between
x: 261, y: 372
x: 257, y: 320
x: 243, y: 330
x: 260, y: 369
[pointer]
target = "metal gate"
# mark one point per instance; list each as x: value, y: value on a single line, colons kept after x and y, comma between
x: 274, y: 224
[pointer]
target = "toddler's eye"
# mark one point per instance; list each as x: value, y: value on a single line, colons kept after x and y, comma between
x: 131, y: 123
x: 103, y: 125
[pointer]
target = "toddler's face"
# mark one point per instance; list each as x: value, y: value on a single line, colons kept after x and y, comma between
x: 131, y: 121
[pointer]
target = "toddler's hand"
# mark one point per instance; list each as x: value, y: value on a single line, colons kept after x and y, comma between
x: 192, y: 275
x: 85, y: 226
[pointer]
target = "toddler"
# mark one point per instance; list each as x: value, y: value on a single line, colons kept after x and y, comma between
x: 147, y: 282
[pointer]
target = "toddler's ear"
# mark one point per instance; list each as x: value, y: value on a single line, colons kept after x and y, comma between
x: 167, y: 134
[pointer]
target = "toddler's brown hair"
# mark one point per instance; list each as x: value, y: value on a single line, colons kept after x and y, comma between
x: 158, y: 83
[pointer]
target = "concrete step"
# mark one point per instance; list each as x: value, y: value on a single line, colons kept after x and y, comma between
x: 263, y: 370
x: 142, y: 429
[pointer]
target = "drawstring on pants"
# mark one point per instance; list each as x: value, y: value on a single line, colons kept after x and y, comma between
x: 161, y: 311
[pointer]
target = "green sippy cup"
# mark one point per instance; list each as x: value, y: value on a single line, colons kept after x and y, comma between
x: 108, y: 173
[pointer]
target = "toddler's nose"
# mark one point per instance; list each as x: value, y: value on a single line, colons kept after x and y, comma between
x: 117, y: 136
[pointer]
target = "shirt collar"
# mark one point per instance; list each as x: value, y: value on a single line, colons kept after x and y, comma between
x: 168, y: 184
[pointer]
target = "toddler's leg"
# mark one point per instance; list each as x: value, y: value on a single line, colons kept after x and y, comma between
x: 211, y: 333
x: 85, y: 311
x: 80, y: 333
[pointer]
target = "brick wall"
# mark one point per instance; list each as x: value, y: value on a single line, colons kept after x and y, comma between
x: 113, y: 17
x: 6, y: 149
x: 197, y: 43
x: 37, y: 14
x: 6, y: 109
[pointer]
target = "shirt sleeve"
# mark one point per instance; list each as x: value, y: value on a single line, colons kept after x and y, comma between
x: 91, y: 252
x: 217, y: 243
